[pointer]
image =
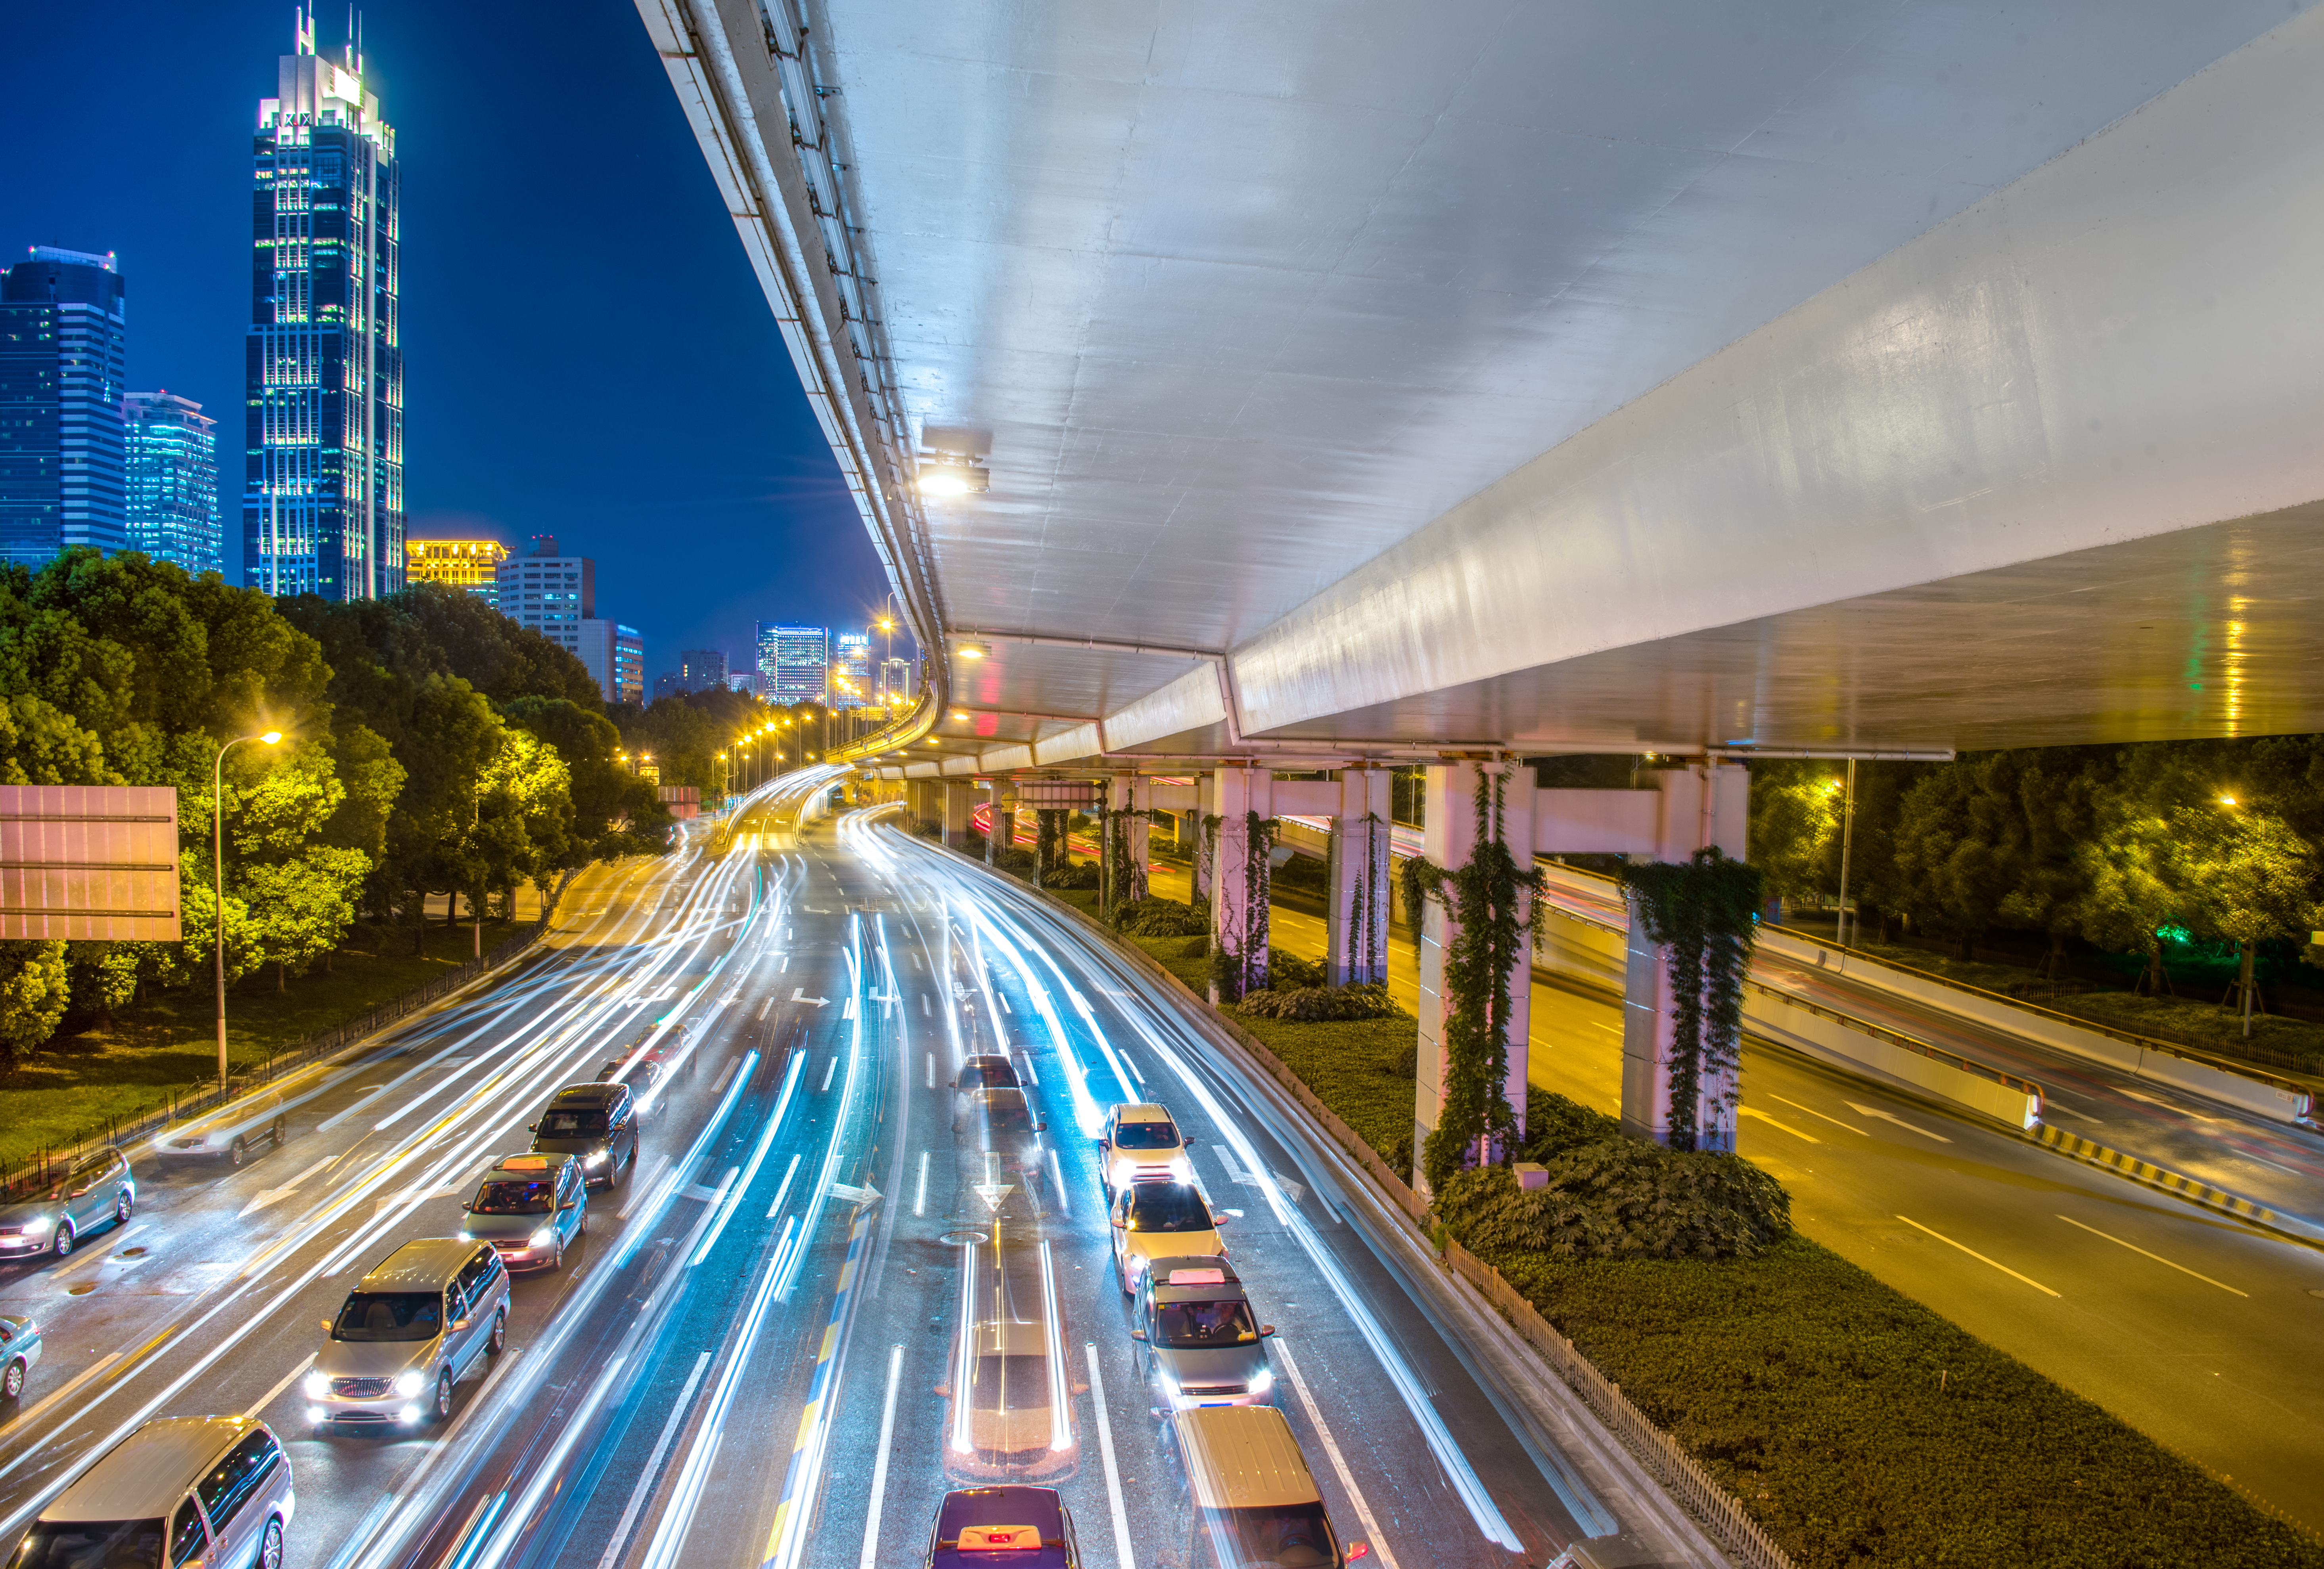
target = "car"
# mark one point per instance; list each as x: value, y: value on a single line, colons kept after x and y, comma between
x: 97, y: 1192
x: 1008, y: 1421
x: 232, y: 1131
x: 1022, y: 1527
x: 531, y: 1208
x: 1161, y: 1220
x: 213, y: 1492
x: 1251, y: 1499
x: 597, y: 1123
x: 982, y: 1073
x: 20, y: 1348
x: 1203, y: 1346
x: 1139, y: 1143
x: 406, y: 1335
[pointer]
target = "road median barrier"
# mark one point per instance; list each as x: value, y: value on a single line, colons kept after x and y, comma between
x: 2192, y: 1189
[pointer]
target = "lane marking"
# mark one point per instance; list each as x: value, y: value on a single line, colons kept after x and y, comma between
x: 1752, y: 1111
x: 2158, y: 1258
x: 274, y: 1394
x: 828, y: 1070
x: 765, y: 1005
x: 1121, y: 1549
x: 1812, y: 1111
x: 1131, y: 1063
x: 1057, y: 1172
x: 926, y: 1012
x: 920, y: 1193
x: 1873, y: 1111
x: 880, y: 1466
x: 724, y: 1073
x: 1339, y: 1460
x: 653, y: 1463
x: 1030, y: 1069
x: 932, y: 1069
x: 1979, y: 1257
x: 91, y: 1370
x: 788, y: 1172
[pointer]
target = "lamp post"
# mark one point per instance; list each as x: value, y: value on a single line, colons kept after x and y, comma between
x: 218, y: 879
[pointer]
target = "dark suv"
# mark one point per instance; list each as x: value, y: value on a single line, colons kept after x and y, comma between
x: 596, y: 1125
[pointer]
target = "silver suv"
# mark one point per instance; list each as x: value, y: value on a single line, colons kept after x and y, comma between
x: 529, y: 1208
x: 408, y: 1332
x: 1203, y: 1345
x: 214, y: 1490
x: 98, y: 1192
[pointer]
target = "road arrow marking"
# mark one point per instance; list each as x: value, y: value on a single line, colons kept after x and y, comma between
x: 867, y: 1194
x: 1873, y: 1111
x: 798, y: 994
x: 849, y: 1012
x: 1752, y: 1111
x: 992, y: 1193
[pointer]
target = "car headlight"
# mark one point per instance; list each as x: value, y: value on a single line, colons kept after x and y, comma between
x: 410, y: 1381
x: 409, y: 1414
x: 1261, y: 1381
x: 38, y: 1225
x: 317, y: 1415
x: 596, y: 1157
x: 317, y: 1385
x: 1181, y: 1169
x: 541, y: 1238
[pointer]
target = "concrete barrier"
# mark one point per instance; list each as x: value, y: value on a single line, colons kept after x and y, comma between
x: 1860, y: 1047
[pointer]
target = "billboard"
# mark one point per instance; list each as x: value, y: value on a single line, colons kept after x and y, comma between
x: 89, y: 862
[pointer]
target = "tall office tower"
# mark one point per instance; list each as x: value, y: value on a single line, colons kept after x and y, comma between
x: 851, y: 671
x: 616, y: 658
x: 63, y: 331
x: 793, y: 663
x: 701, y: 670
x: 553, y: 594
x: 172, y: 481
x: 895, y: 682
x: 473, y: 564
x: 745, y: 682
x: 322, y: 505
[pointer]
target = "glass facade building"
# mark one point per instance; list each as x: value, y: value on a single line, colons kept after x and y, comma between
x: 322, y: 506
x: 895, y: 682
x: 851, y: 671
x: 172, y: 481
x: 64, y: 374
x: 794, y: 663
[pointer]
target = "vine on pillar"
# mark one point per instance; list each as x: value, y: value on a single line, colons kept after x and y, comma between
x: 1705, y: 912
x: 1488, y: 900
x: 1241, y: 967
x: 1366, y: 964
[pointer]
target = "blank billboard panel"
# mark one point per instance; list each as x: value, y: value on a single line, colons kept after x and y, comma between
x: 89, y: 862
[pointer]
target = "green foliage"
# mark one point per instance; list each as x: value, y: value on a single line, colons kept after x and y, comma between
x: 1555, y: 1124
x: 1084, y: 875
x: 1795, y: 828
x: 685, y: 732
x: 614, y: 812
x: 1153, y: 916
x: 1621, y: 1198
x: 1704, y: 911
x: 33, y: 990
x: 1239, y: 963
x: 1315, y: 1003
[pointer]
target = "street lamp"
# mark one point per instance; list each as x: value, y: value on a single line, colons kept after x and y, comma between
x: 217, y: 878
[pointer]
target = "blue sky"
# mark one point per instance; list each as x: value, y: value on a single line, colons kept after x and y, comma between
x: 587, y: 352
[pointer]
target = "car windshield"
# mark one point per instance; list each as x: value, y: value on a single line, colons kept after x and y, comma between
x: 1167, y: 1207
x: 988, y: 1073
x: 1284, y: 1536
x: 90, y: 1545
x: 390, y: 1316
x: 1187, y: 1326
x: 573, y: 1125
x: 1146, y: 1136
x: 1011, y: 1382
x: 1009, y: 1116
x: 529, y: 1198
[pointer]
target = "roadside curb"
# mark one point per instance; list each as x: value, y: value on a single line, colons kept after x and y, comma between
x: 2177, y: 1185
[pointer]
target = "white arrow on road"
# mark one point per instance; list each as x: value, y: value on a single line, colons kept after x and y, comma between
x: 798, y: 994
x: 867, y: 1194
x: 992, y: 1193
x: 1873, y: 1111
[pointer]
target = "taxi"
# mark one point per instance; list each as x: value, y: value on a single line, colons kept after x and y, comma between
x: 1141, y: 1143
x: 1161, y: 1220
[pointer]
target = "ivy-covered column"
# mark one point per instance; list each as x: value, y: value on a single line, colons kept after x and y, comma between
x: 1460, y: 810
x: 1240, y: 835
x: 1357, y: 942
x: 1132, y: 800
x: 1206, y: 807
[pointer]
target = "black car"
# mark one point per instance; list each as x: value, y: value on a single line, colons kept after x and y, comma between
x: 596, y: 1125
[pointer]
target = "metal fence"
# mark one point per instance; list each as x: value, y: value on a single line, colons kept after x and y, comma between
x: 44, y: 1164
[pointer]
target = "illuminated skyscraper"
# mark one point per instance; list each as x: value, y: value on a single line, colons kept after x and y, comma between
x: 473, y: 564
x: 63, y: 332
x: 172, y: 481
x: 851, y: 671
x: 895, y: 682
x: 794, y: 663
x: 322, y: 506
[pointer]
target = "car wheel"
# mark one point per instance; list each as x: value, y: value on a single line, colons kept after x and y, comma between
x: 62, y: 1246
x: 274, y: 1134
x: 12, y: 1383
x: 121, y: 1206
x: 444, y: 1395
x: 581, y: 1226
x: 270, y: 1546
x: 557, y: 1258
x: 499, y: 1341
x: 238, y: 1154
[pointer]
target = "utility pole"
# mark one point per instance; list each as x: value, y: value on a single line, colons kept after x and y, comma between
x: 1847, y: 839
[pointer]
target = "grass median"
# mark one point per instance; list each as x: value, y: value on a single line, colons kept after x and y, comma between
x: 77, y: 1086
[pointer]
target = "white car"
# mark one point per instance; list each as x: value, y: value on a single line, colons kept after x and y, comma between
x: 1140, y: 1143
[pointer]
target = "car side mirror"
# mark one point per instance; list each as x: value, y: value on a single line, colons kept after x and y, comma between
x: 1265, y: 1330
x: 1220, y: 1220
x: 327, y: 1326
x: 532, y: 1127
x: 1137, y: 1334
x: 460, y: 1325
x: 1189, y: 1143
x: 77, y: 1193
x: 568, y: 1206
x: 1040, y: 1128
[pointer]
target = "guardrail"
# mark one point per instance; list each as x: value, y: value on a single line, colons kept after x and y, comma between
x: 1898, y: 1038
x: 37, y: 1171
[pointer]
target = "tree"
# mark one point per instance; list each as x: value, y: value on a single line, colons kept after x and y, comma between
x: 2250, y: 878
x: 34, y: 989
x: 614, y: 812
x: 1955, y: 854
x: 1795, y: 821
x: 2129, y: 891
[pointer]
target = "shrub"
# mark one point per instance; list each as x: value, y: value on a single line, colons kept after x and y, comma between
x: 1075, y: 874
x: 1289, y: 972
x: 1312, y: 1004
x: 1554, y: 1125
x: 1621, y: 1197
x: 1015, y: 861
x: 1159, y: 917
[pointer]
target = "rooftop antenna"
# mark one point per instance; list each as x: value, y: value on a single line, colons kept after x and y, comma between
x: 348, y: 48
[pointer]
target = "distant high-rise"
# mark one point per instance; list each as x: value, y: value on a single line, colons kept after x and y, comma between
x: 172, y: 481
x: 701, y: 670
x: 63, y: 368
x: 322, y: 506
x: 472, y: 565
x: 851, y: 671
x: 895, y: 682
x: 553, y: 594
x: 616, y: 658
x: 794, y: 663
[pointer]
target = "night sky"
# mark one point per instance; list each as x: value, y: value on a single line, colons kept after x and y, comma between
x: 586, y: 353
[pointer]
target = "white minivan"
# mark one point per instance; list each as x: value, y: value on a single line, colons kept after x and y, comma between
x: 215, y: 1490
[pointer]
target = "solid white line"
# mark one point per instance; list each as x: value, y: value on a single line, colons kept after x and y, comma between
x: 920, y: 1193
x: 1979, y: 1257
x: 724, y: 1073
x: 765, y: 1005
x: 1812, y: 1111
x: 653, y: 1463
x: 1121, y: 1551
x: 274, y: 1394
x: 932, y: 1070
x: 2158, y: 1258
x: 1753, y: 1111
x: 1057, y: 1172
x: 1132, y: 1066
x: 1029, y: 1069
x: 790, y: 1172
x: 880, y: 1466
x: 1282, y: 1353
x: 828, y: 1070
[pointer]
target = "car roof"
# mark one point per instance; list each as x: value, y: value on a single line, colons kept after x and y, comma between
x: 529, y: 1166
x: 1010, y: 1337
x: 1243, y: 1457
x: 588, y: 1094
x: 1144, y: 1112
x: 1158, y: 1273
x: 423, y: 1265
x: 1001, y: 1058
x: 142, y: 1477
x: 999, y: 1506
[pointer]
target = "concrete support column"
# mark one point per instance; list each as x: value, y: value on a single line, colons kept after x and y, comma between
x: 1450, y: 840
x: 997, y: 837
x: 1206, y: 799
x: 1126, y: 874
x: 958, y: 799
x: 1356, y: 939
x: 1704, y: 805
x: 1238, y: 912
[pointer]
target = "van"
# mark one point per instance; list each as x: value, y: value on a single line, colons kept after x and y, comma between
x: 214, y: 1490
x: 1251, y: 1500
x: 410, y: 1330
